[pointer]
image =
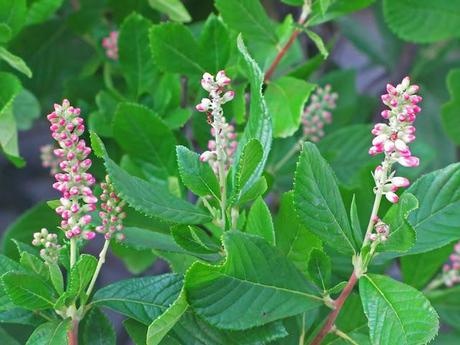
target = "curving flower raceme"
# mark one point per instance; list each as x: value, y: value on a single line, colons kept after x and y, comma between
x: 223, y: 147
x: 318, y: 113
x: 451, y: 271
x: 392, y: 139
x: 49, y: 241
x: 112, y: 215
x: 110, y: 43
x: 74, y: 182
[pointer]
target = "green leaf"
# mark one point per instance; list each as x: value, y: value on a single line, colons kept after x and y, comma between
x: 7, y: 339
x: 162, y: 325
x: 402, y: 235
x: 346, y: 150
x: 196, y: 175
x: 450, y: 110
x: 176, y: 50
x: 41, y: 10
x: 214, y: 39
x: 194, y: 240
x: 136, y: 330
x: 174, y: 9
x: 28, y: 291
x: 336, y: 9
x: 142, y: 299
x: 249, y: 18
x: 56, y: 277
x: 423, y: 21
x: 12, y: 15
x: 136, y: 60
x: 26, y: 109
x: 34, y: 264
x: 97, y: 329
x: 397, y: 311
x: 81, y: 274
x: 436, y: 220
x: 318, y: 42
x: 286, y: 98
x: 293, y: 239
x: 318, y: 202
x: 260, y: 221
x: 259, y: 124
x: 257, y: 189
x: 417, y: 270
x: 50, y: 333
x: 5, y: 32
x: 7, y: 265
x: 355, y: 224
x: 447, y: 304
x: 136, y: 261
x: 39, y: 216
x: 229, y: 296
x: 248, y: 162
x: 15, y: 61
x: 143, y: 135
x: 319, y: 269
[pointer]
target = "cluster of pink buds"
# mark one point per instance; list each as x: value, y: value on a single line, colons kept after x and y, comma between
x: 393, y: 138
x: 110, y: 43
x: 451, y: 271
x: 318, y: 113
x: 49, y: 160
x: 49, y: 242
x: 74, y: 182
x: 382, y: 231
x: 112, y: 215
x: 223, y: 147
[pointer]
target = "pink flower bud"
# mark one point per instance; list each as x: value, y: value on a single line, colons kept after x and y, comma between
x: 410, y: 161
x: 400, y: 181
x: 392, y: 197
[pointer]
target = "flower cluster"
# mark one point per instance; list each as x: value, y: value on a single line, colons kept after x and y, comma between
x: 49, y: 242
x: 110, y: 43
x: 74, y: 182
x: 318, y: 113
x: 112, y: 215
x: 382, y: 231
x: 393, y: 138
x: 49, y: 160
x: 223, y: 147
x: 451, y: 271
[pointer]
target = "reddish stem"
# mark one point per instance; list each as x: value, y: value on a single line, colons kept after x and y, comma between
x: 338, y: 306
x: 72, y: 334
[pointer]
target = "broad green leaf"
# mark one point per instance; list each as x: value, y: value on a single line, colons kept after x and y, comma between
x: 423, y: 21
x: 136, y: 261
x: 355, y: 223
x: 318, y: 201
x: 162, y: 325
x: 143, y: 135
x: 214, y: 39
x: 196, y: 175
x: 40, y: 216
x: 28, y: 291
x: 142, y: 299
x: 229, y: 296
x: 286, y: 98
x: 81, y: 274
x: 7, y: 339
x: 12, y: 15
x: 176, y: 50
x: 319, y: 269
x: 50, y: 333
x: 346, y: 150
x: 56, y: 277
x: 151, y: 199
x: 260, y: 222
x: 417, y: 270
x: 257, y: 189
x: 450, y: 110
x: 194, y: 240
x: 10, y: 87
x: 249, y: 18
x: 436, y: 221
x: 41, y: 10
x: 174, y: 9
x: 34, y: 264
x: 248, y: 162
x: 136, y: 60
x: 397, y: 311
x: 15, y: 61
x: 7, y: 265
x: 259, y: 124
x: 336, y: 9
x: 97, y: 329
x: 318, y: 42
x: 5, y: 32
x: 447, y: 304
x: 26, y: 109
x: 293, y: 239
x: 402, y: 235
x: 136, y: 330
